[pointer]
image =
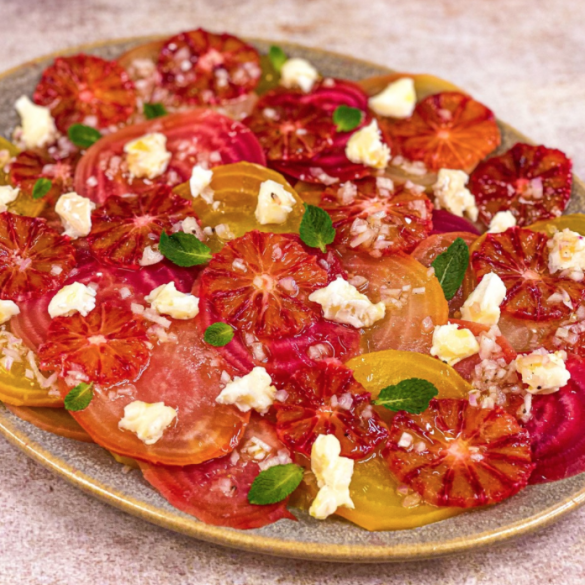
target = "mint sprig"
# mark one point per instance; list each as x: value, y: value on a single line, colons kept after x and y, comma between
x: 316, y: 228
x: 275, y: 483
x: 412, y: 395
x: 184, y: 249
x: 277, y: 57
x: 218, y: 334
x: 83, y: 136
x: 79, y: 397
x: 347, y: 118
x: 154, y: 110
x: 41, y: 188
x: 450, y: 267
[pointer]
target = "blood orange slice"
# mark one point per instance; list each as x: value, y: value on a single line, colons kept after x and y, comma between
x: 34, y: 258
x: 533, y: 182
x: 373, y: 216
x: 447, y: 130
x: 216, y: 492
x: 123, y: 227
x: 109, y: 346
x: 460, y: 455
x: 87, y: 90
x: 520, y: 258
x: 199, y: 67
x: 326, y: 399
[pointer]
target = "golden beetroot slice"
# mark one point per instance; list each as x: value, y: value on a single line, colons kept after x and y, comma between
x: 455, y: 454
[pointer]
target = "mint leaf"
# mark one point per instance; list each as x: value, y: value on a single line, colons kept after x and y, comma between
x: 275, y: 483
x: 41, y: 188
x: 155, y: 110
x: 316, y: 228
x: 277, y: 57
x: 450, y: 267
x: 218, y: 334
x: 412, y: 395
x: 83, y: 136
x: 183, y: 249
x: 80, y: 397
x: 347, y: 118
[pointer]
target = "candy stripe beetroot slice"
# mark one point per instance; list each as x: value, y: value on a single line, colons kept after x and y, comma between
x: 216, y: 492
x: 326, y: 399
x: 34, y: 258
x: 194, y: 137
x: 459, y: 455
x: 84, y: 89
x: 533, y: 182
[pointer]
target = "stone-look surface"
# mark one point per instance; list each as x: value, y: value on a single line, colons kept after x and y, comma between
x: 521, y: 57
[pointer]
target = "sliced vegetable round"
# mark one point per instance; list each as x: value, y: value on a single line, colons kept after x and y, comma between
x: 83, y: 89
x: 533, y: 182
x: 446, y: 222
x: 460, y: 455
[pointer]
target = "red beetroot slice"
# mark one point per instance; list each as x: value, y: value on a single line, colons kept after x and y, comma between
x: 445, y: 222
x: 556, y: 429
x: 202, y: 68
x: 533, y: 182
x: 447, y: 130
x: 326, y: 399
x: 520, y: 258
x: 216, y: 492
x: 193, y: 137
x: 34, y: 258
x: 460, y: 455
x: 123, y: 227
x: 83, y: 89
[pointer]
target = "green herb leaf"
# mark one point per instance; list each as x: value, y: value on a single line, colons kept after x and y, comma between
x: 41, y: 188
x: 316, y: 228
x: 412, y: 395
x: 155, y: 110
x: 83, y: 136
x: 275, y: 483
x: 183, y: 249
x: 450, y: 267
x: 347, y: 118
x: 80, y: 397
x: 277, y: 57
x: 218, y: 334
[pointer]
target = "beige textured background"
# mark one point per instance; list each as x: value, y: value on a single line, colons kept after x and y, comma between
x: 524, y: 58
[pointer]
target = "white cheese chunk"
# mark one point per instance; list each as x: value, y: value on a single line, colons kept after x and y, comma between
x: 483, y: 304
x: 147, y: 156
x: 366, y: 147
x: 451, y: 344
x: 150, y: 256
x: 502, y: 221
x: 7, y: 310
x: 333, y: 474
x: 75, y: 213
x: 199, y: 183
x: 298, y: 72
x: 167, y: 300
x: 398, y: 100
x: 252, y: 391
x: 343, y: 303
x: 543, y: 372
x: 73, y: 298
x: 274, y: 203
x: 8, y: 194
x: 452, y: 194
x: 256, y: 449
x: 567, y: 253
x: 38, y: 126
x: 148, y: 420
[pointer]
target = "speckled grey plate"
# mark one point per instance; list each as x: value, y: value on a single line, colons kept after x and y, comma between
x: 93, y: 470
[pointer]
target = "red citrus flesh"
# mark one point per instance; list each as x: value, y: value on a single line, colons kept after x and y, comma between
x: 326, y: 400
x: 84, y: 89
x: 446, y: 130
x: 461, y: 455
x: 34, y: 258
x: 533, y: 182
x: 520, y: 258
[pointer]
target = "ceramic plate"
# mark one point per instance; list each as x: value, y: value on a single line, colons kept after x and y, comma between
x: 93, y: 470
